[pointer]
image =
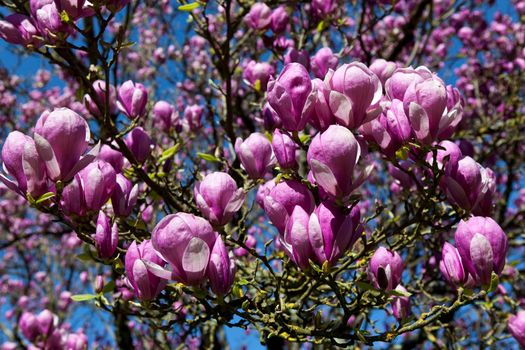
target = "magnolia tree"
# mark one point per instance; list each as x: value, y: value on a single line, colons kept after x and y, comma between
x: 320, y: 174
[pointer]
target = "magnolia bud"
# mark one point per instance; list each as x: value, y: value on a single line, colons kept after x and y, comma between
x: 291, y: 97
x: 28, y: 324
x: 72, y: 201
x: 132, y: 99
x: 124, y: 196
x: 106, y: 237
x: 163, y: 114
x: 98, y: 181
x: 332, y: 157
x: 295, y: 240
x: 284, y: 149
x: 113, y: 157
x: 19, y: 29
x: 218, y: 197
x: 255, y: 154
x: 401, y: 304
x: 331, y: 232
x: 451, y: 266
x: 383, y: 69
x: 146, y: 285
x: 385, y: 269
x: 323, y: 116
x: 516, y: 325
x: 283, y: 199
x: 221, y: 268
x: 355, y: 94
x: 390, y: 130
x: 259, y: 17
x: 100, y: 90
x: 140, y: 144
x: 99, y: 284
x: 186, y: 242
x: 258, y: 72
x: 21, y: 160
x: 483, y: 246
x: 322, y: 61
x: 61, y: 137
x: 280, y: 19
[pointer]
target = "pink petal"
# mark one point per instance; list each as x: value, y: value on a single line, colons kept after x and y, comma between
x: 419, y: 120
x: 141, y: 278
x: 482, y: 257
x: 11, y: 184
x: 84, y: 161
x: 345, y: 237
x: 456, y: 192
x: 195, y: 259
x: 276, y: 212
x: 45, y: 151
x: 235, y: 202
x: 248, y: 160
x: 372, y: 113
x: 157, y: 270
x: 324, y: 177
x: 341, y: 107
x: 204, y: 208
x: 362, y: 176
x: 316, y: 237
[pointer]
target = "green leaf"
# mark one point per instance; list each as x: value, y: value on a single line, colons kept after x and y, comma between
x: 79, y: 93
x: 208, y: 157
x: 314, y: 266
x: 64, y: 17
x: 494, y: 281
x: 365, y: 286
x: 119, y: 264
x: 304, y: 138
x: 126, y: 44
x: 108, y: 287
x: 468, y: 292
x: 326, y: 267
x: 237, y: 291
x: 402, y: 153
x: 243, y: 282
x: 83, y: 297
x: 360, y: 335
x: 399, y: 293
x: 199, y: 293
x: 103, y: 300
x: 431, y: 337
x: 137, y: 223
x: 45, y: 197
x: 189, y: 7
x: 84, y: 257
x: 30, y: 199
x: 170, y: 152
x: 321, y: 26
x: 129, y: 172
